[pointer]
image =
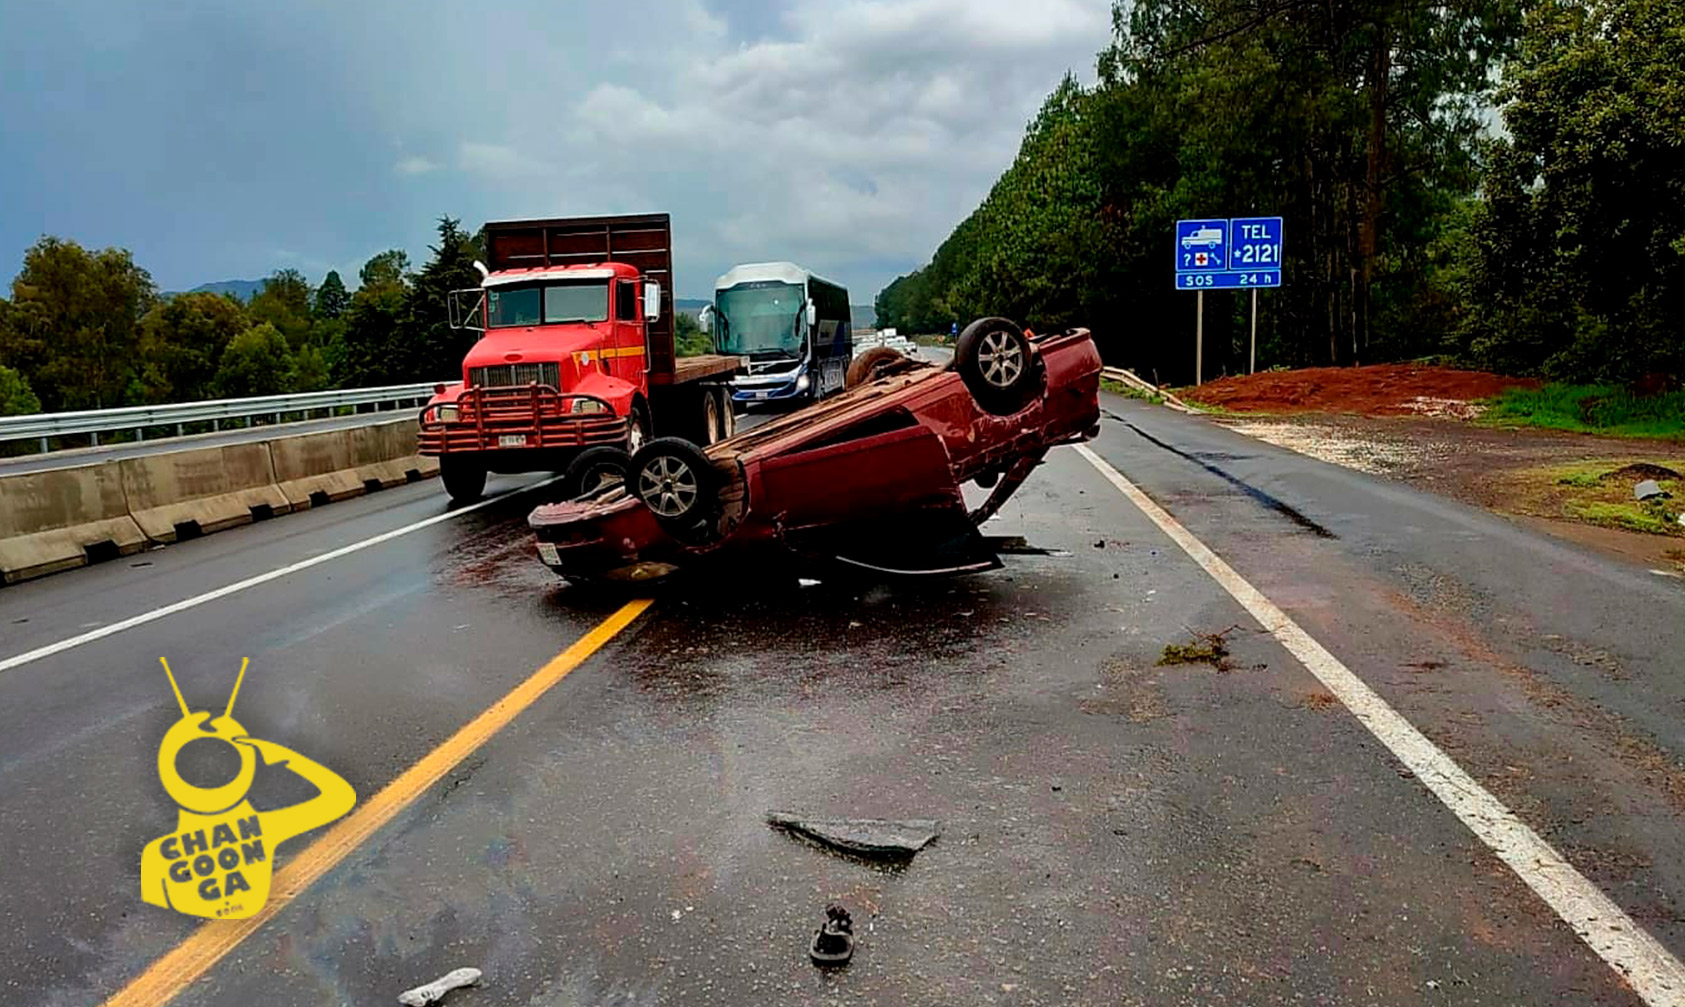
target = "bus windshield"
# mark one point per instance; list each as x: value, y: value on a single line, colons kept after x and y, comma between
x: 546, y: 305
x: 762, y: 317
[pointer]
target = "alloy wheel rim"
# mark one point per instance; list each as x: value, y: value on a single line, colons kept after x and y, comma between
x: 1001, y: 359
x: 668, y: 486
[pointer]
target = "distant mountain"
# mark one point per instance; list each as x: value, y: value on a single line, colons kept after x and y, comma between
x: 243, y: 289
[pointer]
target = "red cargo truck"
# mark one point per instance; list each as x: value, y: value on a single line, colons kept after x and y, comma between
x: 577, y: 352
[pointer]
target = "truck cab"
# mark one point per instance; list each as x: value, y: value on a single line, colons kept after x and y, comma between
x: 576, y: 352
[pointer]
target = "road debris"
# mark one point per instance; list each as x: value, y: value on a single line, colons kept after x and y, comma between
x: 1649, y: 489
x: 833, y: 944
x: 871, y: 838
x: 436, y: 990
x: 1205, y: 648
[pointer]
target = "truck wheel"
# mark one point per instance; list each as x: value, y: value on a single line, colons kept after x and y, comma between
x: 595, y: 469
x: 994, y: 358
x: 728, y: 412
x: 464, y: 480
x: 869, y: 366
x: 675, y: 481
x: 637, y: 431
x: 713, y: 426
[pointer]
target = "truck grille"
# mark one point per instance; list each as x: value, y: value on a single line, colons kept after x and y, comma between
x: 506, y: 375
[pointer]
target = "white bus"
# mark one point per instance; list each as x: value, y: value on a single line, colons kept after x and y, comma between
x: 791, y: 324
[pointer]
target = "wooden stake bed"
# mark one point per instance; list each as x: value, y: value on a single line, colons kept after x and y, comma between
x: 687, y: 369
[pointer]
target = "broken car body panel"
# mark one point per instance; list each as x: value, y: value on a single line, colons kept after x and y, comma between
x: 871, y: 477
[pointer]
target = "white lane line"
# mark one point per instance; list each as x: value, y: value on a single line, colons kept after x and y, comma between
x: 1648, y: 967
x: 263, y: 578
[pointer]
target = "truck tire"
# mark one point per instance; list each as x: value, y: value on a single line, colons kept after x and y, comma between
x: 728, y: 412
x: 464, y: 480
x: 638, y: 429
x: 675, y: 480
x: 994, y: 358
x: 713, y: 425
x: 869, y: 366
x: 595, y: 469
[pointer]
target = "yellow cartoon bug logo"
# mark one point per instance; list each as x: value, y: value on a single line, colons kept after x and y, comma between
x: 219, y: 860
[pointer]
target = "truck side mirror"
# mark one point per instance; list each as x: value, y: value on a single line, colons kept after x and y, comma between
x: 812, y: 314
x: 467, y: 309
x: 652, y: 301
x: 705, y: 318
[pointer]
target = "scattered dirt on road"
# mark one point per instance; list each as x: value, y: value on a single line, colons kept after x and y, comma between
x: 1377, y: 390
x: 1320, y: 701
x: 1205, y: 648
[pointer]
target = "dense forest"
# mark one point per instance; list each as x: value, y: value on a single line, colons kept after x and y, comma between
x: 1497, y: 181
x: 89, y: 330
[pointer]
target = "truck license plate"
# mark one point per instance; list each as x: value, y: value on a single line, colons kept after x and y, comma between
x: 547, y: 553
x: 512, y: 441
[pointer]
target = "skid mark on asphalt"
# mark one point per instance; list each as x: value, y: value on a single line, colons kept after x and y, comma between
x: 190, y: 959
x: 1649, y: 968
x: 142, y: 619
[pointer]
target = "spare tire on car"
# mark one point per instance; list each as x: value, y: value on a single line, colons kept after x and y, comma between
x: 595, y: 469
x: 995, y: 360
x: 677, y: 482
x: 871, y: 365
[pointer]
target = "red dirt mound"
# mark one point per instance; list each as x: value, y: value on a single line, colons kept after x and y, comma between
x: 1377, y: 390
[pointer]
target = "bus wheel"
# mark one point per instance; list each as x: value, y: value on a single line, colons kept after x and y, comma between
x: 675, y: 480
x: 594, y: 470
x: 464, y: 480
x: 871, y: 365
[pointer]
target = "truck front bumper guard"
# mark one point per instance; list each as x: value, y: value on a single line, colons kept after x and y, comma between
x: 520, y: 417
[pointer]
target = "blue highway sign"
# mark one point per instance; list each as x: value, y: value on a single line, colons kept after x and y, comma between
x: 1228, y: 254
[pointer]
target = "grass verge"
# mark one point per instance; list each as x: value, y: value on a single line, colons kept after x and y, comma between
x: 1119, y: 388
x: 1600, y: 493
x: 1600, y: 409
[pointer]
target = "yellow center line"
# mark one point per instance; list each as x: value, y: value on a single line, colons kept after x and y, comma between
x: 190, y: 959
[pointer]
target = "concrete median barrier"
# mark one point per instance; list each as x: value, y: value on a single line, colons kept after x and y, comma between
x: 313, y: 469
x: 56, y: 520
x: 386, y: 454
x: 205, y: 489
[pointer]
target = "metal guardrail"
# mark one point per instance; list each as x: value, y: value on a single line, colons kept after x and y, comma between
x: 94, y: 422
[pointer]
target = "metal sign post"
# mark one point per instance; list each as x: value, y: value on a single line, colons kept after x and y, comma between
x: 1217, y: 254
x: 1252, y: 359
x: 1199, y: 338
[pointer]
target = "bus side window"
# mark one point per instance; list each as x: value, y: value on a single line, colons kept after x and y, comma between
x: 626, y: 305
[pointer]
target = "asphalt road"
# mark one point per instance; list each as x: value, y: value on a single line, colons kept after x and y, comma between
x: 1114, y: 831
x: 220, y: 438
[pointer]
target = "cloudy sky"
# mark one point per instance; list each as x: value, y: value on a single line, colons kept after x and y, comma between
x: 223, y: 140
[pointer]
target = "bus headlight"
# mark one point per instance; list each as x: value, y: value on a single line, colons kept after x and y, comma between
x: 584, y: 406
x: 445, y: 414
x: 801, y: 383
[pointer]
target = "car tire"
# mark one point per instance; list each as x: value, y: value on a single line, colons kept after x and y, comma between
x: 465, y: 481
x: 868, y: 366
x: 994, y: 359
x: 594, y: 470
x: 676, y: 481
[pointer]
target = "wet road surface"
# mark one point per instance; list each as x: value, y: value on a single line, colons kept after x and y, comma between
x: 1113, y: 830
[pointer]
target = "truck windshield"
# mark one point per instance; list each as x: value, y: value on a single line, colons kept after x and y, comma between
x: 546, y: 305
x: 761, y: 317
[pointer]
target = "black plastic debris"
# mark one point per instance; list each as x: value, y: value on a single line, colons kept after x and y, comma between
x: 871, y: 838
x: 833, y: 944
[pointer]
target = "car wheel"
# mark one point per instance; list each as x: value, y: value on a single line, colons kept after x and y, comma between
x: 994, y: 358
x: 637, y: 427
x: 595, y: 469
x: 464, y: 480
x: 871, y: 365
x: 675, y: 480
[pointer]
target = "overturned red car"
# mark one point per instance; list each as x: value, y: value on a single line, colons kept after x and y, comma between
x: 869, y: 479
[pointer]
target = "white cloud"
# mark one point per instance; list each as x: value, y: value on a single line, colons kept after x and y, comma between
x: 415, y: 165
x: 498, y: 161
x: 853, y: 142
